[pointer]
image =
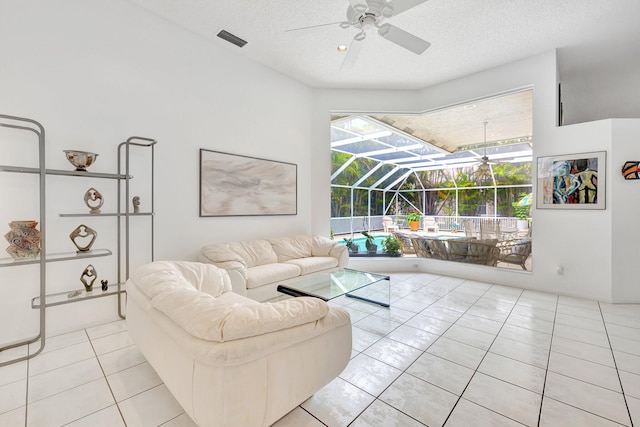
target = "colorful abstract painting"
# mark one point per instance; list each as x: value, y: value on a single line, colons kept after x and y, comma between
x: 631, y: 170
x: 575, y: 181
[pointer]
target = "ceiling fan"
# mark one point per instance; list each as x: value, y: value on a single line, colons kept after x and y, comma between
x: 367, y: 15
x: 485, y: 164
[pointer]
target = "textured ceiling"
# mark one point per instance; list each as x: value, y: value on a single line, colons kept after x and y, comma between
x: 466, y: 36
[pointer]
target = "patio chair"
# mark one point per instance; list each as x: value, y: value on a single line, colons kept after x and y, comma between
x: 515, y: 252
x: 489, y: 229
x: 483, y: 252
x: 405, y: 242
x: 469, y: 228
x: 430, y: 224
x: 421, y: 246
x: 388, y: 224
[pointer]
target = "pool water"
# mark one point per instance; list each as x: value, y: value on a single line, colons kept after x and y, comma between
x: 361, y: 240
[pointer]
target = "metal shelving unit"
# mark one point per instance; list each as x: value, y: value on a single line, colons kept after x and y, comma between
x: 44, y: 300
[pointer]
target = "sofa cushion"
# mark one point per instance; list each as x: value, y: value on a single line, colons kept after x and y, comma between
x: 222, y: 256
x: 157, y: 277
x: 255, y: 252
x: 269, y: 273
x: 313, y: 264
x: 321, y: 246
x: 231, y: 316
x: 292, y: 247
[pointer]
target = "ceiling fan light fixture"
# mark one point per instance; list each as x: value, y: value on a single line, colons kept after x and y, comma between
x: 342, y: 48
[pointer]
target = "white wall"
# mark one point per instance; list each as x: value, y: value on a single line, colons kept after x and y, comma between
x: 579, y: 241
x: 94, y: 73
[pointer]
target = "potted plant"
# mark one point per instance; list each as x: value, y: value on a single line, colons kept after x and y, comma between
x: 521, y: 212
x: 351, y: 245
x: 372, y: 248
x: 413, y: 218
x: 391, y: 245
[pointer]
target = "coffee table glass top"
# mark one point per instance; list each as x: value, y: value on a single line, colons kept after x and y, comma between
x: 370, y: 287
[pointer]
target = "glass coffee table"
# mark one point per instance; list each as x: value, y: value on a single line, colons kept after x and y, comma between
x: 370, y: 287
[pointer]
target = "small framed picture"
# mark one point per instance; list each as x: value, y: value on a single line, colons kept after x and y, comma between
x: 572, y: 181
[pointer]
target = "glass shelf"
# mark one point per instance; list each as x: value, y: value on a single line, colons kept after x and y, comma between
x: 86, y: 174
x: 65, y: 298
x: 63, y: 256
x: 105, y: 214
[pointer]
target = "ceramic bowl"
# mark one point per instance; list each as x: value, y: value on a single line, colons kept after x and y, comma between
x: 80, y: 159
x: 23, y: 224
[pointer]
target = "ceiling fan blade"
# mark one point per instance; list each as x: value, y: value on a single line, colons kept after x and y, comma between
x: 313, y: 28
x: 406, y: 40
x: 353, y: 52
x: 400, y: 6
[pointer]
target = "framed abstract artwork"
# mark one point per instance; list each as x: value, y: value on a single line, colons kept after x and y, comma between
x: 234, y: 185
x: 573, y: 181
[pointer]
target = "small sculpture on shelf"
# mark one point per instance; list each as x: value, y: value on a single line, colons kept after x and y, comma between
x: 136, y: 204
x: 80, y: 234
x: 94, y: 201
x: 105, y: 285
x: 88, y: 276
x: 74, y: 294
x: 24, y: 240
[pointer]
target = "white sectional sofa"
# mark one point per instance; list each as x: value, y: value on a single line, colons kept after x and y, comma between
x: 257, y: 267
x: 229, y: 360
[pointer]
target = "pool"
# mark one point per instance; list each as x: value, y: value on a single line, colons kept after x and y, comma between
x: 361, y: 240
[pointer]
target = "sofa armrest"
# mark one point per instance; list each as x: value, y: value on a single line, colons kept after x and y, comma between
x: 238, y: 283
x: 341, y: 253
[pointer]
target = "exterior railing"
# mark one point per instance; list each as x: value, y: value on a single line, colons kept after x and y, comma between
x: 357, y: 224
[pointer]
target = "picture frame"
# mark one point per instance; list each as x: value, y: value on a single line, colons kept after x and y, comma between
x: 237, y: 185
x: 572, y: 181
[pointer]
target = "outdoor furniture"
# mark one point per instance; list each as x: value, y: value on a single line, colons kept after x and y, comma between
x: 430, y: 224
x: 489, y: 229
x: 388, y: 224
x: 515, y: 251
x: 469, y: 228
x: 405, y: 242
x: 468, y: 250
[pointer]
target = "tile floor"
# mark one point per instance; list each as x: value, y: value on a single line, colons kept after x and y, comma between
x: 448, y: 352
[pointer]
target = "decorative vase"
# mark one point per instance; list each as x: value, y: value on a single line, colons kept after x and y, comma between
x: 414, y: 225
x: 24, y: 240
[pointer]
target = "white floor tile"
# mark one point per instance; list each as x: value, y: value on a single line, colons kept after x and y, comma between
x: 64, y: 340
x: 442, y: 313
x: 626, y: 345
x: 112, y: 342
x: 426, y: 403
x: 480, y: 324
x: 70, y: 405
x: 527, y: 310
x: 106, y: 329
x: 16, y: 417
x: 393, y: 353
x: 586, y: 313
x: 583, y: 370
x: 413, y: 337
x: 338, y: 403
x: 65, y: 378
x: 580, y: 322
x: 185, y: 421
x: 623, y: 331
x: 526, y: 336
x: 355, y: 315
x: 395, y: 314
x: 380, y: 414
x: 470, y: 336
x: 121, y: 359
x: 151, y: 408
x: 13, y: 395
x: 556, y: 413
x: 377, y: 325
x: 457, y: 352
x: 429, y: 324
x: 627, y: 362
x: 507, y: 399
x: 108, y: 417
x: 441, y: 372
x: 590, y: 352
x: 583, y: 335
x: 132, y: 381
x: 588, y: 397
x: 532, y: 323
x: 468, y: 414
x: 526, y: 353
x: 630, y: 384
x: 361, y: 339
x: 296, y: 418
x: 12, y: 373
x: 514, y: 372
x: 634, y: 409
x: 489, y: 313
x: 61, y: 357
x: 413, y: 306
x: 369, y: 374
x: 578, y: 302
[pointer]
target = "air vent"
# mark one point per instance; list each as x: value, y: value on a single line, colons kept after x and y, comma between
x: 225, y: 35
